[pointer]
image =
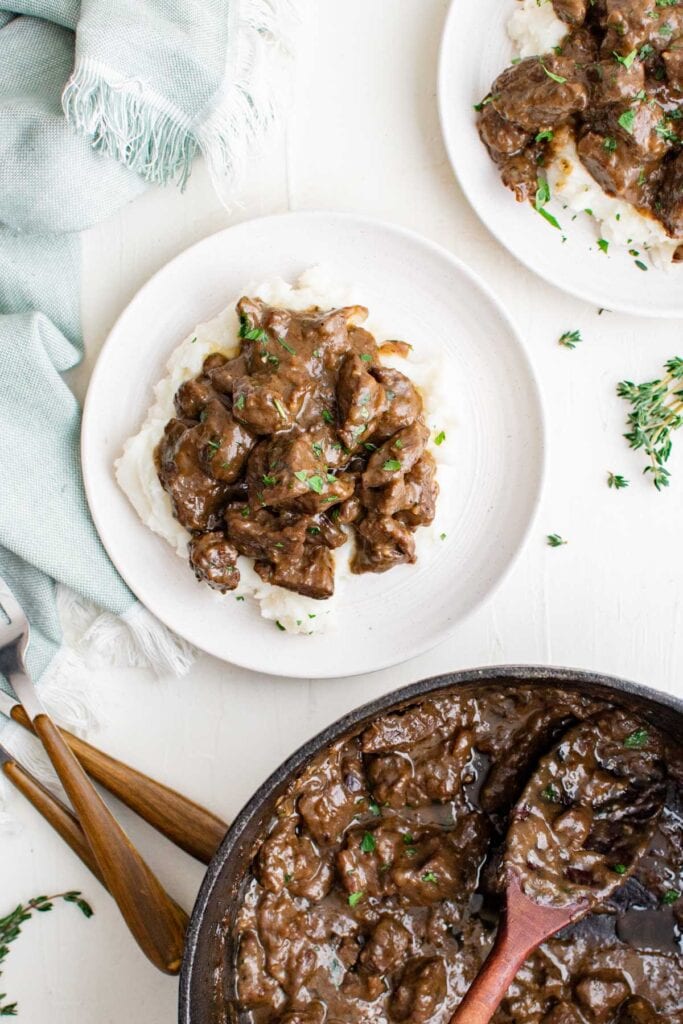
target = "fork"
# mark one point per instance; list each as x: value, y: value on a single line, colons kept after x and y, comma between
x: 157, y: 923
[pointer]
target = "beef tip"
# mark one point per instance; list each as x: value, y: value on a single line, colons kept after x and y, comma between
x: 255, y: 987
x: 615, y: 83
x: 313, y: 1014
x: 632, y: 23
x: 382, y: 542
x: 527, y: 95
x: 286, y: 472
x: 324, y: 530
x: 397, y: 455
x: 639, y: 1011
x: 213, y: 361
x: 291, y: 861
x: 258, y: 533
x: 670, y: 197
x: 404, y: 404
x: 223, y: 377
x: 573, y: 12
x: 649, y: 133
x: 310, y: 573
x: 423, y: 867
x: 214, y: 560
x: 601, y: 993
x: 432, y: 774
x: 422, y: 490
x: 193, y: 396
x: 402, y: 730
x: 581, y: 47
x: 389, y: 499
x: 349, y: 510
x: 420, y: 992
x: 360, y: 400
x: 197, y: 498
x: 501, y: 137
x: 619, y: 170
x: 563, y: 1013
x: 331, y: 795
x: 520, y: 174
x: 224, y: 444
x: 673, y: 63
x: 386, y: 947
x: 363, y: 985
x: 283, y: 930
x: 261, y: 406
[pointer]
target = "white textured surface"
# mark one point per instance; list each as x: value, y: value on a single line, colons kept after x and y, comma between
x: 610, y: 600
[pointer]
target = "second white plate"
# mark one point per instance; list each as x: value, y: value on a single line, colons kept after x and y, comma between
x: 475, y: 48
x: 426, y: 296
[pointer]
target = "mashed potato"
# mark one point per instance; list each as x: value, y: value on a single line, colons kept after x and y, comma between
x: 136, y: 471
x: 535, y: 29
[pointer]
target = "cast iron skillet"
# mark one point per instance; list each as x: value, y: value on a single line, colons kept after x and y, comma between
x: 206, y: 955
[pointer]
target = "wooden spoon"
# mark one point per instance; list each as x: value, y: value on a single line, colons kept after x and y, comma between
x: 585, y: 818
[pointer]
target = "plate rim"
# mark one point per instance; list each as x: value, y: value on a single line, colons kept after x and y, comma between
x: 399, y: 231
x: 577, y: 291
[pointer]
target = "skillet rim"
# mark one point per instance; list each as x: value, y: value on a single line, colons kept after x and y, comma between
x: 291, y: 766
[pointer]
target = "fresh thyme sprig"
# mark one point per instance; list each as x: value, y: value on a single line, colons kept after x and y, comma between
x: 616, y: 481
x: 10, y: 929
x: 555, y: 541
x: 656, y: 411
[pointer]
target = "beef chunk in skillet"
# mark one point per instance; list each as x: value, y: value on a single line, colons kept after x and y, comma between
x: 563, y: 1013
x: 331, y: 798
x: 639, y: 1011
x: 387, y: 946
x: 310, y: 1015
x: 289, y: 860
x: 214, y: 559
x: 527, y: 95
x: 421, y: 991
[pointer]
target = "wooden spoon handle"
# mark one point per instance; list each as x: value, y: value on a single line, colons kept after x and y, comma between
x: 156, y: 922
x: 63, y: 821
x: 492, y: 982
x: 184, y: 822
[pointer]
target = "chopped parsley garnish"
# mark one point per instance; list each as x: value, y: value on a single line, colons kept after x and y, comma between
x: 556, y: 78
x: 327, y: 416
x: 245, y: 513
x: 543, y: 197
x: 619, y: 868
x: 279, y: 625
x: 627, y: 120
x: 429, y: 876
x: 640, y: 265
x: 301, y: 475
x: 273, y: 359
x: 555, y: 541
x: 369, y: 446
x: 250, y: 333
x: 316, y: 484
x: 610, y: 144
x: 484, y: 103
x: 368, y: 844
x: 551, y: 794
x: 670, y: 896
x: 570, y: 339
x: 440, y: 438
x: 355, y: 898
x: 547, y: 136
x: 269, y: 481
x: 313, y: 530
x: 288, y: 879
x: 626, y: 61
x: 282, y: 412
x: 239, y: 402
x: 373, y: 807
x: 616, y: 481
x: 286, y: 347
x: 603, y: 245
x: 317, y: 450
x: 442, y: 536
x: 408, y: 839
x: 366, y: 357
x: 637, y: 740
x: 240, y: 597
x: 391, y: 466
x: 645, y: 52
x: 665, y: 132
x: 213, y: 444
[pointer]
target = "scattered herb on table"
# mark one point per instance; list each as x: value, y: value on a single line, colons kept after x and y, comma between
x: 616, y: 481
x: 10, y: 928
x: 656, y: 411
x: 555, y: 541
x: 570, y: 339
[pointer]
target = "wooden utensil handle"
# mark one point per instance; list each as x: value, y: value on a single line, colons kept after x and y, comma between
x: 156, y: 922
x: 184, y: 822
x: 486, y: 992
x: 55, y: 813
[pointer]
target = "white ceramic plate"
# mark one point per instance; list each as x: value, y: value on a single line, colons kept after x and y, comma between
x: 429, y: 298
x: 475, y: 48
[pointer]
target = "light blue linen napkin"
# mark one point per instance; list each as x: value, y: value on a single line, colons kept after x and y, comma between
x: 96, y: 100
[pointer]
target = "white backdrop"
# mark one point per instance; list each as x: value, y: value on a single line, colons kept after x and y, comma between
x: 363, y: 136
